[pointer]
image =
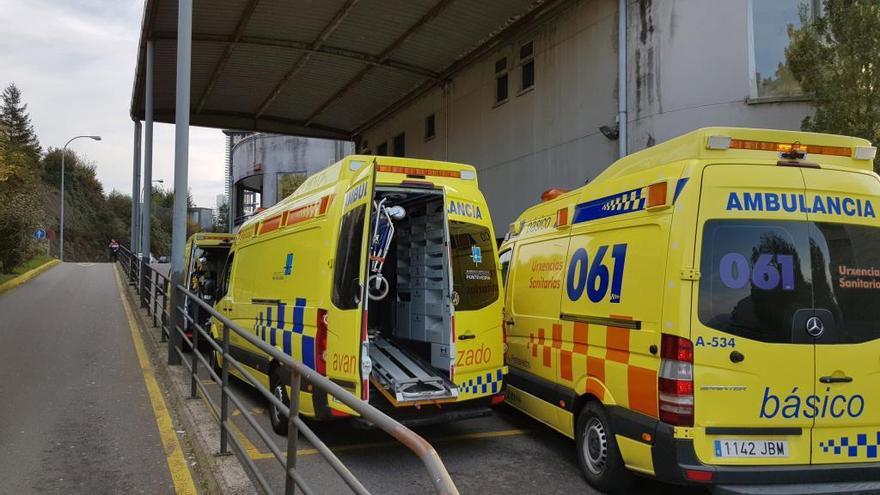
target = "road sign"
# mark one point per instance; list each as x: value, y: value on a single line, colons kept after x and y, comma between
x: 40, y: 234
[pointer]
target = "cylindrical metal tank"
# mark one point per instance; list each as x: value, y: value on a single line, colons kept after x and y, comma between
x: 268, y: 167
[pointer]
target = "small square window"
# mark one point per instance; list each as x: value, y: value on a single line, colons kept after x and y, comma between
x: 430, y: 127
x: 399, y: 143
x: 382, y: 149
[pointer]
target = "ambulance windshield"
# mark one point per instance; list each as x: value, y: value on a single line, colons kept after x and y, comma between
x: 760, y: 278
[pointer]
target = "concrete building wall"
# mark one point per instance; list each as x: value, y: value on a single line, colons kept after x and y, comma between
x: 688, y: 67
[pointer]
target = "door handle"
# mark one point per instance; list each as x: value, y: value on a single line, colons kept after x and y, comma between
x: 509, y: 322
x: 836, y: 379
x: 467, y: 336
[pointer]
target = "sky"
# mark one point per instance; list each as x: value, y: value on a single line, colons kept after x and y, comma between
x: 74, y: 61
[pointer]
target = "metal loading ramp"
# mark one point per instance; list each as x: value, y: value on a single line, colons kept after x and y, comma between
x: 406, y: 377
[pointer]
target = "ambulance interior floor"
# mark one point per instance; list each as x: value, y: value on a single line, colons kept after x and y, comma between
x: 504, y: 453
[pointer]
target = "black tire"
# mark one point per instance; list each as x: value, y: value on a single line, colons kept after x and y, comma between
x: 598, y: 453
x: 279, y: 390
x: 214, y: 359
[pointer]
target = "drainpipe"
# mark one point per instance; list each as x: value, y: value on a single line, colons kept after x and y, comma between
x: 621, y: 79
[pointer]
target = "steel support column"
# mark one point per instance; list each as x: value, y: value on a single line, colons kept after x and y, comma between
x: 622, y: 117
x: 181, y: 166
x: 148, y: 162
x: 135, y: 186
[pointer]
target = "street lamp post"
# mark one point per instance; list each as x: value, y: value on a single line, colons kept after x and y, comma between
x: 64, y: 152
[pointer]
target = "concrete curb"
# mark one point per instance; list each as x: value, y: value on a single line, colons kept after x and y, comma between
x: 24, y: 277
x: 214, y: 474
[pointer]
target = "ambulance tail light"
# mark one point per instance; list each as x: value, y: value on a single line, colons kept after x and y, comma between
x: 676, y: 381
x: 321, y: 343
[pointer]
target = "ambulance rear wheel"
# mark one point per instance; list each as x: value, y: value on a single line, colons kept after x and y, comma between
x: 279, y: 390
x: 598, y: 453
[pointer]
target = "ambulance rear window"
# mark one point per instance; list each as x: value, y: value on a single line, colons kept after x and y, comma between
x: 474, y: 271
x: 846, y: 272
x: 347, y: 272
x: 754, y: 276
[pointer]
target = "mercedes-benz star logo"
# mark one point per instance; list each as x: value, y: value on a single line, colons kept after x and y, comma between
x: 815, y: 326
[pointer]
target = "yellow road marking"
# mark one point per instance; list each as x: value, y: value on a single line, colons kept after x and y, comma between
x: 180, y: 475
x: 24, y: 277
x: 252, y: 451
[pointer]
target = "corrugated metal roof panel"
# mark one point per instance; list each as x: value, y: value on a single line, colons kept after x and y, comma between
x: 217, y: 17
x: 368, y: 98
x: 320, y: 78
x: 300, y: 20
x: 251, y: 73
x: 254, y: 70
x: 374, y: 24
x: 462, y: 28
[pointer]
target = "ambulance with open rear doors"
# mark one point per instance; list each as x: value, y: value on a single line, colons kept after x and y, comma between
x: 706, y: 311
x: 380, y: 273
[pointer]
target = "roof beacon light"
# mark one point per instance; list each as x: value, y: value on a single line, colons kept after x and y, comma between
x: 864, y: 152
x: 718, y: 142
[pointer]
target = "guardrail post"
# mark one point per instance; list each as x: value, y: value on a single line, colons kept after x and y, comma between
x: 224, y: 394
x: 292, y: 431
x: 194, y: 341
x: 154, y: 297
x: 164, y: 336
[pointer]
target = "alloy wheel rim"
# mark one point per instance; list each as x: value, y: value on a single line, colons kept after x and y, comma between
x: 276, y: 412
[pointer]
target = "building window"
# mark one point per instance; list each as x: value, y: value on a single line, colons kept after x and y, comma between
x: 527, y: 66
x: 399, y: 144
x: 430, y: 127
x: 501, y: 80
x: 382, y: 149
x: 770, y: 23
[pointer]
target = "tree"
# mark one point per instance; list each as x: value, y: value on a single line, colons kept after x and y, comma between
x: 836, y: 58
x: 221, y: 223
x: 17, y: 123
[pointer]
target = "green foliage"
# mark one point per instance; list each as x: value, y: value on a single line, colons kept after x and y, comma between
x: 221, y: 222
x: 24, y: 267
x: 836, y: 58
x: 16, y: 122
x: 20, y: 212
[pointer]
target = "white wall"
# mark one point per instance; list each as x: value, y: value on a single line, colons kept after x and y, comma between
x: 688, y: 68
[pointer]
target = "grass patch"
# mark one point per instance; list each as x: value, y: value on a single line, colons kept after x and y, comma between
x: 24, y: 267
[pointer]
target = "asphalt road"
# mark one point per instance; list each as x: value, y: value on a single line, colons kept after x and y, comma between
x: 75, y: 416
x: 505, y: 453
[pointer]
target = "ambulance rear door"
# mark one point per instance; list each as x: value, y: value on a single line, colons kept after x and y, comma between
x: 753, y: 363
x: 845, y: 238
x: 348, y: 346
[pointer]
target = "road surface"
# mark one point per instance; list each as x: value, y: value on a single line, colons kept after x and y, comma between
x: 75, y: 414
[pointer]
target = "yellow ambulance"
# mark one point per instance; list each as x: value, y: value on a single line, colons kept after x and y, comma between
x: 204, y: 257
x: 706, y: 311
x: 380, y: 273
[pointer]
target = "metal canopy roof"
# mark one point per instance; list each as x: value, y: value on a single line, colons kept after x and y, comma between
x: 320, y: 68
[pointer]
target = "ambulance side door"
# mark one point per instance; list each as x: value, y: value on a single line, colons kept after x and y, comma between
x: 532, y: 320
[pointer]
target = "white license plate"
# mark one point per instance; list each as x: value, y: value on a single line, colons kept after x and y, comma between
x: 751, y: 448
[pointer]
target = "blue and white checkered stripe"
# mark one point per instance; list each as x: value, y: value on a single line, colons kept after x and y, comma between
x: 843, y: 446
x: 609, y: 206
x: 287, y: 339
x: 483, y: 383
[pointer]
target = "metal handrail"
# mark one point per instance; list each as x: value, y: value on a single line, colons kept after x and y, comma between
x: 156, y: 285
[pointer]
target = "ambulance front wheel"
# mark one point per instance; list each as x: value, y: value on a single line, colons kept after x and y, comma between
x: 598, y: 453
x: 279, y: 390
